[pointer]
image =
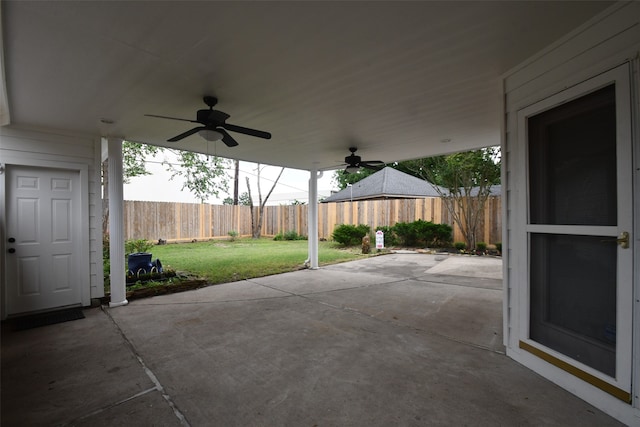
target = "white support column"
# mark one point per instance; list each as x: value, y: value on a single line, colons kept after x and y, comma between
x: 313, y: 219
x: 116, y: 224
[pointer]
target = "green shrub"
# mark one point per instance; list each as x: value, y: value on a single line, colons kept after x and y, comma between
x: 233, y: 235
x: 106, y: 268
x: 289, y: 235
x: 443, y: 235
x: 422, y: 232
x: 481, y: 246
x: 406, y: 233
x: 350, y: 235
x: 460, y: 246
x: 292, y: 235
x: 105, y: 247
x: 432, y: 235
x: 499, y: 247
x: 137, y: 245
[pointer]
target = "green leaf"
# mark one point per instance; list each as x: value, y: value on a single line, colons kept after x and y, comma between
x: 202, y: 175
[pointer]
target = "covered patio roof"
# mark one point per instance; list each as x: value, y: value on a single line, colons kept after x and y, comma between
x: 394, y: 79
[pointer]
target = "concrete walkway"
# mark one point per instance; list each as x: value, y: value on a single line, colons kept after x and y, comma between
x: 395, y: 340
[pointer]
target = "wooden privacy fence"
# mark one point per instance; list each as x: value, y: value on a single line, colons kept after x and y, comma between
x: 187, y: 221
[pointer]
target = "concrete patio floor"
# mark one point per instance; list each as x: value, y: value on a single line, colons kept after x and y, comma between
x: 395, y: 340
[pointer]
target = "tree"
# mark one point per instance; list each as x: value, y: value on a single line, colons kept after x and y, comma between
x: 341, y: 179
x: 133, y: 164
x: 236, y: 179
x: 256, y: 223
x: 134, y: 157
x: 243, y: 200
x: 203, y: 175
x: 464, y: 182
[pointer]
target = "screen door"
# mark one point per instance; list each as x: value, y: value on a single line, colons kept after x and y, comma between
x: 579, y: 220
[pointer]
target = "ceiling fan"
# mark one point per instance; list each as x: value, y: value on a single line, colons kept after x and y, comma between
x: 354, y: 163
x: 213, y: 125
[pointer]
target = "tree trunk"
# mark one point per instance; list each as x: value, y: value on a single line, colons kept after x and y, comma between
x: 236, y: 178
x: 467, y: 211
x: 258, y: 231
x: 253, y: 222
x: 256, y: 225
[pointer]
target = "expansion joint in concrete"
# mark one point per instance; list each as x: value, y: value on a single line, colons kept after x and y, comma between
x: 158, y: 386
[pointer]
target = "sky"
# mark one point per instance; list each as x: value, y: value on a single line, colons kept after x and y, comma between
x: 293, y: 184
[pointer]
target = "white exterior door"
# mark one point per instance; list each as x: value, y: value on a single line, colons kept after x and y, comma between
x: 579, y: 308
x: 43, y: 235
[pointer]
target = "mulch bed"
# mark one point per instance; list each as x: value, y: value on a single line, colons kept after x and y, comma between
x: 162, y: 290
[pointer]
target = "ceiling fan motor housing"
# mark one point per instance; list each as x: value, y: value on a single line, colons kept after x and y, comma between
x: 211, y: 117
x: 353, y: 160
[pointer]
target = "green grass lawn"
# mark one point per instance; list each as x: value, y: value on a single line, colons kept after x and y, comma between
x: 226, y: 261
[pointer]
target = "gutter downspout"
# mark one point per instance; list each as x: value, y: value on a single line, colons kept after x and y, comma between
x: 312, y: 261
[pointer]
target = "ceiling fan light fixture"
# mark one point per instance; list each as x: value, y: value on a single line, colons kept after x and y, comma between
x: 352, y: 169
x: 210, y: 134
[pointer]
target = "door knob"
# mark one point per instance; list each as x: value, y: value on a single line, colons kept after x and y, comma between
x: 11, y: 250
x: 12, y: 240
x: 623, y: 240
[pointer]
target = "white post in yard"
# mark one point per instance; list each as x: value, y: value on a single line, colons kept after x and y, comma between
x: 313, y: 218
x: 116, y: 224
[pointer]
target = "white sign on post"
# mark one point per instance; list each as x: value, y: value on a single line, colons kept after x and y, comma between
x: 379, y: 240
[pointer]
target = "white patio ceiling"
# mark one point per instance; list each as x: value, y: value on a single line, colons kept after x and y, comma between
x: 392, y: 78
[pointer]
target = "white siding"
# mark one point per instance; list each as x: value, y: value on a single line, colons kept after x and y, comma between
x: 607, y: 41
x: 56, y: 149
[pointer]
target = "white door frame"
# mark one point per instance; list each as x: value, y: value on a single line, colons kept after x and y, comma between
x: 621, y: 76
x: 83, y: 256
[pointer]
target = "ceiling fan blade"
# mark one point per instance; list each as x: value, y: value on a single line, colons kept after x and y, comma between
x: 226, y: 138
x: 171, y: 118
x: 186, y: 134
x: 246, y: 131
x: 372, y: 166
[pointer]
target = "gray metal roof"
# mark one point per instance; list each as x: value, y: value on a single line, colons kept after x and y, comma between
x: 387, y: 183
x: 494, y: 190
